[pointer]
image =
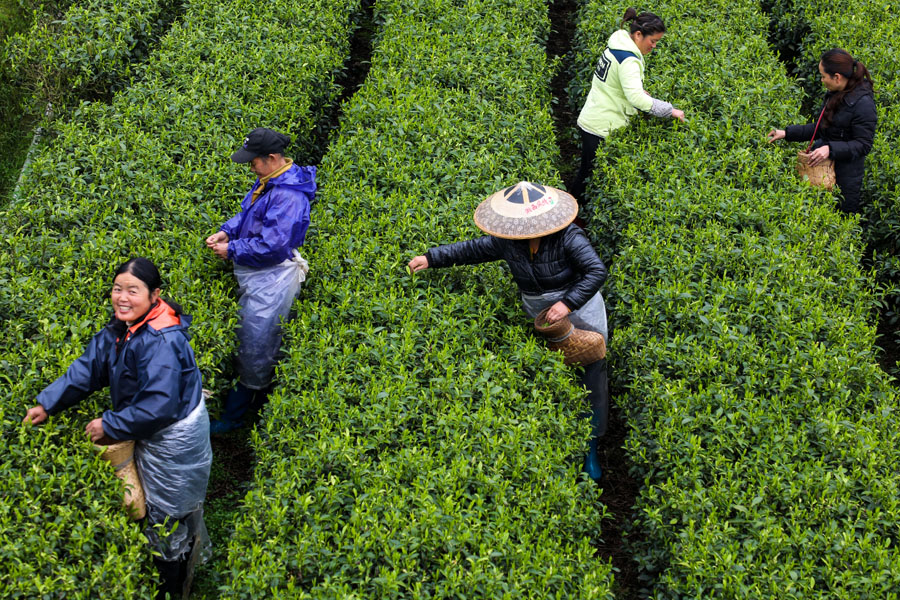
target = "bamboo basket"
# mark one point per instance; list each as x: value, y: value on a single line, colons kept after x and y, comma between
x: 821, y: 175
x: 578, y: 346
x: 121, y: 456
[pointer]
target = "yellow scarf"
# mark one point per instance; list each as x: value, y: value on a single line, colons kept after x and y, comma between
x: 264, y: 180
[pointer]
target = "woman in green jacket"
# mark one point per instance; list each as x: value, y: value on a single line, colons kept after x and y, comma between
x: 617, y: 89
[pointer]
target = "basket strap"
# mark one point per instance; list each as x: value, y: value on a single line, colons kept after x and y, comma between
x: 123, y: 464
x: 564, y: 337
x: 815, y: 131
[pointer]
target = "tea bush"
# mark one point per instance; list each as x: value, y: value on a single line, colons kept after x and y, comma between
x: 148, y: 174
x: 89, y: 52
x: 421, y: 443
x: 761, y: 425
x: 863, y: 29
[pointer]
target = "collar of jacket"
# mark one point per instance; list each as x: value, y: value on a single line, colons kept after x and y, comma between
x: 160, y: 316
x: 288, y: 163
x: 621, y: 40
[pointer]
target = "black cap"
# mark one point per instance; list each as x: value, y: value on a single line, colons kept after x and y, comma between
x: 261, y: 142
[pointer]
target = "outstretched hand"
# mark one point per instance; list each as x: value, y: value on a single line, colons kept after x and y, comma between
x: 678, y: 114
x: 775, y: 135
x: 35, y: 415
x: 419, y: 263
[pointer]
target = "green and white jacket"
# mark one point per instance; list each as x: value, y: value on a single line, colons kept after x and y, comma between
x: 617, y: 89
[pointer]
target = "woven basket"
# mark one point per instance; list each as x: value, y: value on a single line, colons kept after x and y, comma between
x: 578, y: 346
x: 821, y: 175
x: 121, y: 456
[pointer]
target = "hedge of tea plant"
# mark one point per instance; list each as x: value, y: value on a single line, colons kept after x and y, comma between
x: 88, y: 52
x: 761, y: 426
x: 421, y: 443
x: 149, y: 174
x: 14, y: 128
x: 866, y: 30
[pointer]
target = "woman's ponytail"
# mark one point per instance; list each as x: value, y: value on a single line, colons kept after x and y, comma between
x: 836, y: 61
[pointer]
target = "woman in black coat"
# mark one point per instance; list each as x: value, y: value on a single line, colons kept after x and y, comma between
x: 554, y: 265
x: 846, y: 127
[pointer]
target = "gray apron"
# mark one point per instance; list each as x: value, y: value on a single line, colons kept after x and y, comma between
x: 591, y: 316
x: 174, y: 469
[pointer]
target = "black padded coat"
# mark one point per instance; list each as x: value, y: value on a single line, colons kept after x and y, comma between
x: 565, y: 261
x: 849, y: 135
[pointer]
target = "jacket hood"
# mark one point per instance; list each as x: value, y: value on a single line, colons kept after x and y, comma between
x: 302, y: 179
x: 621, y: 40
x: 863, y: 89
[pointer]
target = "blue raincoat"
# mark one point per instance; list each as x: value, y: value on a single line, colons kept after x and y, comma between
x: 261, y: 242
x: 157, y: 401
x: 265, y: 233
x: 149, y: 367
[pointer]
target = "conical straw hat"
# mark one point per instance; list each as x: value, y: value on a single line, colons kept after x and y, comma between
x: 525, y: 211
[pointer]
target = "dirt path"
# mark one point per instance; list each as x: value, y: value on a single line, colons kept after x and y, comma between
x: 619, y: 489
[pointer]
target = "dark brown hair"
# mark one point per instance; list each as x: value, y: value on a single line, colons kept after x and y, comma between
x: 646, y: 22
x: 836, y: 61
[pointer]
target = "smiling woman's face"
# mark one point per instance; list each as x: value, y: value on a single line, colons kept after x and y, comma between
x: 131, y: 298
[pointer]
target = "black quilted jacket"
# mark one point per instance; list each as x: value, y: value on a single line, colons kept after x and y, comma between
x: 850, y: 136
x: 565, y: 261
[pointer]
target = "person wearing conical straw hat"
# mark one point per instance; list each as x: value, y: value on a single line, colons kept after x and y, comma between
x: 144, y: 356
x: 530, y: 226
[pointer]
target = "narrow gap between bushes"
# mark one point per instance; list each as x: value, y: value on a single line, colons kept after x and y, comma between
x: 356, y: 69
x: 146, y: 45
x: 233, y: 457
x: 620, y: 490
x: 786, y: 37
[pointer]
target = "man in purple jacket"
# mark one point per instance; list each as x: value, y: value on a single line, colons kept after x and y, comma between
x: 262, y: 242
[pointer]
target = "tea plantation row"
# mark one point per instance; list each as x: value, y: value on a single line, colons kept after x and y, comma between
x: 421, y: 443
x: 761, y: 425
x: 864, y: 30
x: 148, y: 174
x: 88, y: 53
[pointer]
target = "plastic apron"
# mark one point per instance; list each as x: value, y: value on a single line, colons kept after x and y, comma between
x: 174, y: 469
x: 591, y: 316
x: 265, y: 296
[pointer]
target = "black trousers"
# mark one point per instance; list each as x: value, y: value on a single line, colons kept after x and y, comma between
x: 589, y: 144
x: 596, y: 380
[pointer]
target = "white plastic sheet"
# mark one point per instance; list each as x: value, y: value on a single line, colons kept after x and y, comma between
x: 174, y: 468
x: 265, y: 296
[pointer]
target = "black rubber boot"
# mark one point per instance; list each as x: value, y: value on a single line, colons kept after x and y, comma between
x: 172, y: 574
x: 596, y: 380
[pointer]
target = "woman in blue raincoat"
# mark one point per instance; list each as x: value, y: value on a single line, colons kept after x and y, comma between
x: 262, y: 242
x: 145, y: 358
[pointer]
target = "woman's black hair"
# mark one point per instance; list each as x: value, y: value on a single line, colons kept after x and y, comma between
x: 143, y: 269
x: 646, y: 22
x: 836, y: 61
x: 146, y: 271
